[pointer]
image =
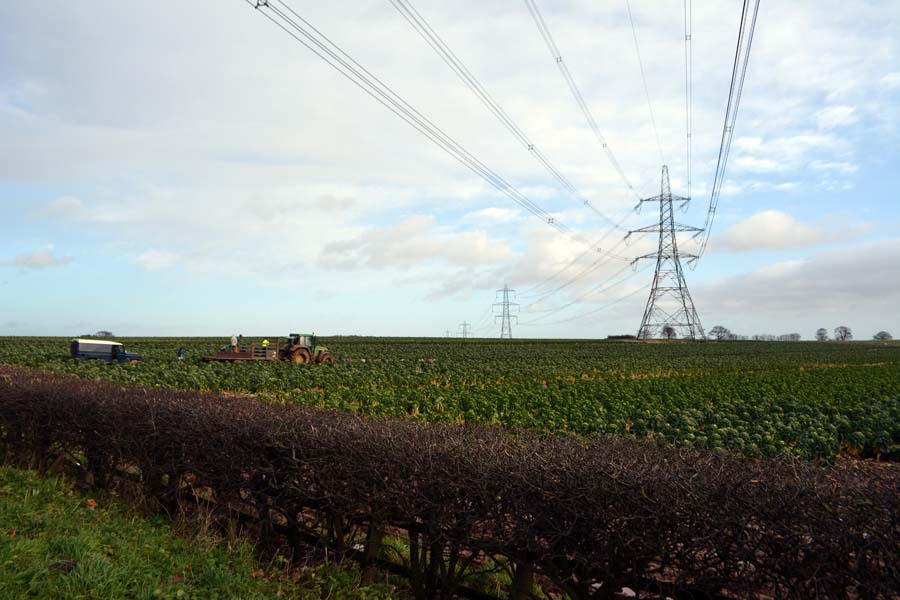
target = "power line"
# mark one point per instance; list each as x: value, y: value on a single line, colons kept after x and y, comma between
x: 588, y: 313
x: 568, y: 266
x: 576, y: 93
x: 637, y: 50
x: 610, y: 253
x: 738, y: 73
x: 464, y: 329
x: 323, y: 47
x: 427, y: 33
x: 583, y: 273
x: 485, y: 319
x: 599, y: 288
x: 688, y: 86
x: 595, y: 288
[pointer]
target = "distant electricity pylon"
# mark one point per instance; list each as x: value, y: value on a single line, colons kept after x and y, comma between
x: 504, y: 316
x: 464, y: 329
x: 670, y: 309
x: 447, y: 333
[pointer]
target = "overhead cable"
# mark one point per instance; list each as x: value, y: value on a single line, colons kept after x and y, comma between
x: 282, y: 15
x: 431, y: 37
x: 592, y: 291
x: 738, y: 73
x: 688, y: 88
x: 591, y: 312
x: 578, y: 277
x: 530, y: 290
x: 576, y: 93
x: 637, y: 50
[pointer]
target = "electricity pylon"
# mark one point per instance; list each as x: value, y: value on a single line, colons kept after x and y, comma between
x: 464, y: 329
x: 504, y: 316
x: 670, y: 309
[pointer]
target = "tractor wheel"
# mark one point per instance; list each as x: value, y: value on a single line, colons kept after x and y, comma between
x: 300, y: 357
x: 326, y: 358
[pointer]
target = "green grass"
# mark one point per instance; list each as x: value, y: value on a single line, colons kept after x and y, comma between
x: 53, y: 544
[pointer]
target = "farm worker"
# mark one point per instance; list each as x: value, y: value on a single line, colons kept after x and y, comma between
x: 234, y: 343
x: 240, y: 340
x: 265, y: 343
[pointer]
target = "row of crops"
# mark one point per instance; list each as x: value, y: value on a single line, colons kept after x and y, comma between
x: 816, y: 400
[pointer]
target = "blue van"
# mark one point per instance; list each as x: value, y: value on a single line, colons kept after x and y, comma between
x: 102, y: 350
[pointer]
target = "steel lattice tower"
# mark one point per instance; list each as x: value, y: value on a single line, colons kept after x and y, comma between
x: 670, y: 303
x: 504, y: 316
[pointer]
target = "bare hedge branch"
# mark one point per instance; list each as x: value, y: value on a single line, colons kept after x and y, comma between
x: 585, y: 515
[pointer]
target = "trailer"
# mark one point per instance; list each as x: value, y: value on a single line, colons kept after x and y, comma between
x: 300, y: 348
x: 253, y: 351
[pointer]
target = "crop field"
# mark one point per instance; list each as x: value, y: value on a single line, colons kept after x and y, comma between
x: 810, y: 399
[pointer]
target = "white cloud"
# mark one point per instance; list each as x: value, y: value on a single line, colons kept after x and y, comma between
x: 228, y: 161
x: 783, y: 153
x: 830, y: 184
x: 758, y: 165
x: 412, y: 242
x: 493, y: 214
x: 786, y: 186
x: 772, y: 230
x: 841, y: 167
x: 730, y: 188
x: 41, y: 259
x: 64, y: 206
x: 836, y: 116
x: 891, y: 80
x: 858, y: 285
x: 153, y: 260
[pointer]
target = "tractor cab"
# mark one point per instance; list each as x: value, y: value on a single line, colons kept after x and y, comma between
x: 300, y: 339
x: 303, y: 348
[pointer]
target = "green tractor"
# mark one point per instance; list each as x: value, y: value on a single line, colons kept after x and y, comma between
x: 301, y: 348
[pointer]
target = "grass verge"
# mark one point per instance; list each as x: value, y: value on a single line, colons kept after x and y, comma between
x: 57, y: 543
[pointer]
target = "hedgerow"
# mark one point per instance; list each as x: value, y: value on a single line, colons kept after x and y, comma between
x: 583, y: 515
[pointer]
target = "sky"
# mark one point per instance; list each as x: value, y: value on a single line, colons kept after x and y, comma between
x: 174, y: 168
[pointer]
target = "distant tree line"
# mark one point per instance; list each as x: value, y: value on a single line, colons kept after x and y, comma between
x: 842, y: 333
x: 98, y: 334
x: 723, y: 333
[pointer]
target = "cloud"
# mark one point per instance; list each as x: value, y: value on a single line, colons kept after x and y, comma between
x: 840, y: 167
x: 783, y: 153
x: 772, y: 230
x: 412, y: 242
x: 153, y: 260
x: 64, y: 206
x: 42, y: 259
x: 891, y: 80
x: 785, y: 186
x: 830, y: 184
x: 493, y: 214
x: 239, y: 169
x: 759, y: 165
x: 857, y: 284
x: 836, y: 116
